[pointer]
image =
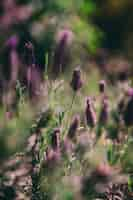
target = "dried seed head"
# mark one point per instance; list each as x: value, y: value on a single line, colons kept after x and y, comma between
x: 90, y: 113
x: 102, y: 85
x: 55, y: 140
x: 74, y: 126
x: 76, y: 82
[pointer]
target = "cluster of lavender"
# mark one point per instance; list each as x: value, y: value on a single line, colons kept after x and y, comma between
x: 22, y: 76
x: 66, y: 146
x: 13, y: 13
x: 101, y: 179
x: 54, y: 153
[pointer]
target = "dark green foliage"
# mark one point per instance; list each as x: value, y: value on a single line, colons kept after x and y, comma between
x: 42, y: 120
x: 113, y: 155
x: 128, y: 114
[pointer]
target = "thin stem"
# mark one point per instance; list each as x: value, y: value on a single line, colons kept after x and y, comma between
x: 60, y: 68
x: 69, y: 111
x: 73, y: 98
x: 46, y: 65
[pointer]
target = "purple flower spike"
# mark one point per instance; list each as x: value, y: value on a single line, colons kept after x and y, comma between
x: 102, y: 85
x: 90, y: 113
x: 130, y: 92
x: 52, y: 158
x: 65, y: 35
x: 13, y: 41
x: 29, y: 54
x: 64, y: 39
x: 74, y: 126
x: 76, y: 82
x: 104, y: 114
x: 55, y: 140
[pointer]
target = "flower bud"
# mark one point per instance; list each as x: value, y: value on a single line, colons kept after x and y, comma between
x: 13, y: 56
x: 104, y: 114
x: 76, y: 82
x: 130, y: 92
x: 90, y: 113
x: 61, y: 54
x: 121, y: 105
x: 12, y: 42
x: 102, y: 85
x: 55, y: 140
x: 52, y: 158
x: 74, y: 126
x: 29, y: 54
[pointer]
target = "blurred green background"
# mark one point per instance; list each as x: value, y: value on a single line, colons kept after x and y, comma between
x: 95, y: 23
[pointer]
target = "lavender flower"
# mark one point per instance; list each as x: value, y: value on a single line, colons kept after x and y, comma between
x: 14, y: 14
x: 9, y: 115
x: 68, y: 146
x: 102, y: 85
x: 12, y: 44
x: 14, y: 59
x: 121, y: 105
x: 52, y: 158
x: 66, y: 35
x: 53, y: 155
x: 97, y: 181
x: 29, y: 54
x: 130, y: 92
x: 55, y: 140
x: 74, y: 126
x: 33, y: 74
x: 76, y: 82
x: 90, y: 113
x: 64, y: 38
x: 104, y: 114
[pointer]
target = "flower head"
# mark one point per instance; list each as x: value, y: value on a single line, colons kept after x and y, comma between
x: 55, y: 140
x: 65, y: 35
x: 130, y: 92
x: 104, y: 114
x: 90, y: 113
x: 29, y: 54
x: 74, y: 126
x: 12, y: 42
x: 76, y: 82
x: 64, y: 38
x: 102, y: 85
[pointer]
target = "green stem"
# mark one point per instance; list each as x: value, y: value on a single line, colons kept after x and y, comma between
x: 46, y: 66
x: 73, y: 98
x: 69, y: 111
